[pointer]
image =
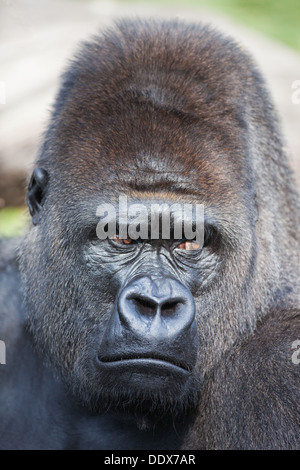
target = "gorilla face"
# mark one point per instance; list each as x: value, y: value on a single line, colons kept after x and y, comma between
x: 129, y: 323
x: 139, y: 324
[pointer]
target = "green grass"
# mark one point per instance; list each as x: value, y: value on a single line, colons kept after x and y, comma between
x: 278, y: 19
x: 13, y: 221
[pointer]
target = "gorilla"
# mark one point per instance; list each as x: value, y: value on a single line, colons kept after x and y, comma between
x: 144, y: 342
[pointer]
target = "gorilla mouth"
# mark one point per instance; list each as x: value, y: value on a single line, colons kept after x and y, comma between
x: 144, y: 359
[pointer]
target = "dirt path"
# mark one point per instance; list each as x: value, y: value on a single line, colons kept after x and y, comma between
x: 36, y: 39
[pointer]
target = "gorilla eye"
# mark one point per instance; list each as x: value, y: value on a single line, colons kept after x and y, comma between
x: 123, y: 241
x: 188, y: 245
x: 210, y: 235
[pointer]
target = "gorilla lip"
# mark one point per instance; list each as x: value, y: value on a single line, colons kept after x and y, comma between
x: 145, y: 359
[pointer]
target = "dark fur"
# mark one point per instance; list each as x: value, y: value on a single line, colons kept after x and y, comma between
x: 174, y: 112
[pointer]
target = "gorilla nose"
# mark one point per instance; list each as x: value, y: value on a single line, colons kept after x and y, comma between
x: 159, y: 307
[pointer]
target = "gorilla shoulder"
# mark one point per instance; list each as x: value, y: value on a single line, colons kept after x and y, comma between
x: 267, y: 393
x: 11, y: 318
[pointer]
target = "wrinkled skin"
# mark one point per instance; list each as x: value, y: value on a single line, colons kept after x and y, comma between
x: 155, y: 343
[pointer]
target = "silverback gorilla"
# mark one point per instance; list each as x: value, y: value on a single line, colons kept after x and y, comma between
x: 155, y: 343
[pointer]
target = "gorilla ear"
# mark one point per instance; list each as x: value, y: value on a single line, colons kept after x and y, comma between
x: 36, y: 192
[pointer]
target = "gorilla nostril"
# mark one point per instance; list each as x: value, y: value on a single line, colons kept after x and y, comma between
x: 149, y: 307
x: 143, y: 305
x: 169, y: 308
x: 146, y: 306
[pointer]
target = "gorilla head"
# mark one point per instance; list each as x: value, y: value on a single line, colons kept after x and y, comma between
x: 162, y: 113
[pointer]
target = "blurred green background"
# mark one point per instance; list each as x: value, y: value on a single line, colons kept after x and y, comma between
x: 13, y: 221
x: 279, y: 19
x: 274, y: 18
